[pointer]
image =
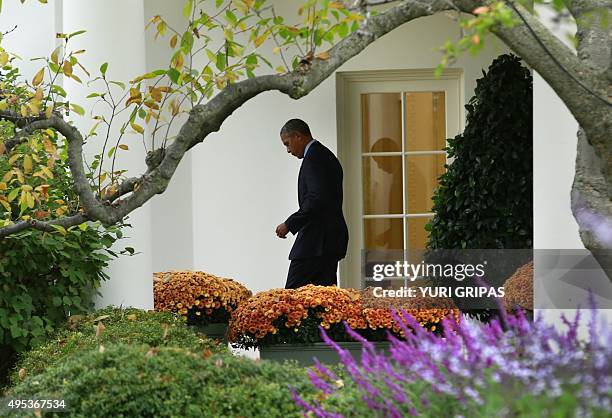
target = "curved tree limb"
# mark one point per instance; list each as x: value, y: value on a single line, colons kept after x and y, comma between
x: 46, y: 226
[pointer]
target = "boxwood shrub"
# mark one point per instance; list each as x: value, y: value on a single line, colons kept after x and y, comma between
x: 140, y: 381
x: 119, y: 326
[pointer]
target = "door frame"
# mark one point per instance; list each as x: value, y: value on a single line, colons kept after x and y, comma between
x: 348, y: 83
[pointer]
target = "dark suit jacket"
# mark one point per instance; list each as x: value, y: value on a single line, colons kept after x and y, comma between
x: 319, y: 223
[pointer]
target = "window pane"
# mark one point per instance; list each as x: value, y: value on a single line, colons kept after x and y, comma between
x: 422, y: 172
x: 382, y: 185
x: 381, y: 116
x: 425, y: 121
x: 417, y: 235
x: 383, y: 234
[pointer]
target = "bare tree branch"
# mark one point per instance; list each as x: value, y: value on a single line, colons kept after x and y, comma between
x: 46, y: 226
x: 18, y: 120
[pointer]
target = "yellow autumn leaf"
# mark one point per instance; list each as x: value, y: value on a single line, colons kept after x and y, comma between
x: 173, y: 41
x: 2, y: 148
x: 48, y: 146
x: 14, y: 158
x: 34, y: 107
x: 68, y: 68
x: 323, y: 55
x: 49, y: 111
x: 261, y: 39
x: 6, y: 205
x: 38, y: 96
x: 135, y: 97
x: 3, y: 105
x: 178, y: 61
x: 38, y: 78
x: 55, y: 55
x: 125, y: 147
x: 19, y: 174
x: 137, y: 127
x: 175, y: 107
x: 30, y: 200
x: 47, y: 171
x: 4, y: 58
x: 27, y: 164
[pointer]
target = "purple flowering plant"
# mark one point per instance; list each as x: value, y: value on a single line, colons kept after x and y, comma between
x: 509, y: 367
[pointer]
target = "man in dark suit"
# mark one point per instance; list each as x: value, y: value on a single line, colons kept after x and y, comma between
x: 322, y: 235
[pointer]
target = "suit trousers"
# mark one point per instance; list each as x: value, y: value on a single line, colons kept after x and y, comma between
x: 313, y: 270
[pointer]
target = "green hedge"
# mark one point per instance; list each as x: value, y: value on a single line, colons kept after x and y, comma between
x: 121, y: 326
x: 138, y: 381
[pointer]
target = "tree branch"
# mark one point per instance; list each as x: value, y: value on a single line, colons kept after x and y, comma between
x: 46, y: 226
x: 520, y: 39
x: 22, y: 136
x: 18, y: 120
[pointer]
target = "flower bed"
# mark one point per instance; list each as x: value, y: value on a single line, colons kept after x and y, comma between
x: 290, y: 316
x: 200, y: 297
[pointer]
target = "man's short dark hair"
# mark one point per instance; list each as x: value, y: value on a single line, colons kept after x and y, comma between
x: 295, y: 125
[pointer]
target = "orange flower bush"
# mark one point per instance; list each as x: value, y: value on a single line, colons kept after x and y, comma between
x: 294, y: 315
x: 200, y: 297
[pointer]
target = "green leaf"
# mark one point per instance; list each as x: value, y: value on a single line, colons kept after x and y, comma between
x: 77, y: 33
x: 187, y: 42
x: 103, y: 68
x: 187, y: 9
x: 77, y: 109
x: 174, y: 75
x: 220, y: 61
x: 118, y: 83
x: 13, y: 194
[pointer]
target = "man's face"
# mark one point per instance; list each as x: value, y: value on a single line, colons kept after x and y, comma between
x: 294, y: 143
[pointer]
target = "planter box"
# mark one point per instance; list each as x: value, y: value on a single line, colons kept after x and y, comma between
x: 217, y: 331
x: 304, y: 354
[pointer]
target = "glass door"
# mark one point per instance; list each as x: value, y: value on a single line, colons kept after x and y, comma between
x: 403, y: 136
x: 392, y: 128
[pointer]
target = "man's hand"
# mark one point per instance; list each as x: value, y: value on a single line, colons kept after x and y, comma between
x: 282, y: 230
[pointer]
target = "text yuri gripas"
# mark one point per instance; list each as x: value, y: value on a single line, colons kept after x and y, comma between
x: 413, y: 271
